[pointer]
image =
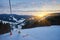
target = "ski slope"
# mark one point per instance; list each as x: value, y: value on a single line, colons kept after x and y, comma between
x: 39, y: 33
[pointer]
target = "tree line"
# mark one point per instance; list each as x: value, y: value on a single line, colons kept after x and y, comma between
x: 4, y: 27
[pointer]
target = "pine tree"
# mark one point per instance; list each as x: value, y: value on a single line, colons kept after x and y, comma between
x: 4, y: 27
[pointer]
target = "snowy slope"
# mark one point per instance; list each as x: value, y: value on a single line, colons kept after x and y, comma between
x: 39, y: 33
x: 14, y: 19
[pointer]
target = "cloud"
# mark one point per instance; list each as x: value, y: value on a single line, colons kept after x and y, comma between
x: 28, y: 6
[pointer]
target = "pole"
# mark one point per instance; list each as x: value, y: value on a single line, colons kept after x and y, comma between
x: 10, y: 6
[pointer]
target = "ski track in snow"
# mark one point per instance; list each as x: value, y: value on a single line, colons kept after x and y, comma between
x: 39, y: 33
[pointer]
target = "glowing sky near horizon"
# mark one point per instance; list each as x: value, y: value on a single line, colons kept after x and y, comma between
x: 30, y: 7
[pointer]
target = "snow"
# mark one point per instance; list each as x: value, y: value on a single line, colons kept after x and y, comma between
x: 21, y: 20
x: 18, y: 21
x: 14, y: 19
x: 39, y: 33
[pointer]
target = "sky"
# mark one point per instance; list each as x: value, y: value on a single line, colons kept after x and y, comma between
x: 30, y: 7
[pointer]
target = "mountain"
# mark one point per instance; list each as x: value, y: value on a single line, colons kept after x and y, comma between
x: 13, y: 17
x: 51, y: 19
x: 54, y: 19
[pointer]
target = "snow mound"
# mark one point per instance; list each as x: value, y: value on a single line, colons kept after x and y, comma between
x: 39, y: 33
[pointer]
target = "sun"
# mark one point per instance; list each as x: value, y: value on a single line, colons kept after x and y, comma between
x: 42, y: 14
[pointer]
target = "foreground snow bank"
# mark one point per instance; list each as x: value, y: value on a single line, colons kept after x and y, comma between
x: 39, y: 33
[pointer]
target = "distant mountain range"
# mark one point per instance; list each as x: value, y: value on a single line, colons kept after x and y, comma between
x: 53, y: 19
x: 14, y: 17
x: 11, y: 17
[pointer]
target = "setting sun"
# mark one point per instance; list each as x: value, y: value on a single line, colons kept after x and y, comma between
x: 42, y: 14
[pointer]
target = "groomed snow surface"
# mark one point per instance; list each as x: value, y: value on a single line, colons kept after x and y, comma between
x: 39, y: 33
